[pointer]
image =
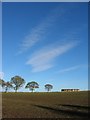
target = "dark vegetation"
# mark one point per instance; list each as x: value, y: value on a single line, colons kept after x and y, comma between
x: 17, y: 82
x: 45, y: 105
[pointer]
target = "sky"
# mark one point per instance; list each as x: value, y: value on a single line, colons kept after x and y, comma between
x: 46, y: 43
x: 0, y: 38
x: 45, y: 0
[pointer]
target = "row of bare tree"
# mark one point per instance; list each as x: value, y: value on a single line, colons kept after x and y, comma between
x: 17, y: 82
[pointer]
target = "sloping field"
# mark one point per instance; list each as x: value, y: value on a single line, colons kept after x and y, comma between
x: 45, y: 105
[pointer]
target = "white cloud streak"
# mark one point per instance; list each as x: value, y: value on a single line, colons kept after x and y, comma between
x: 69, y: 69
x: 42, y: 60
x: 72, y: 68
x: 39, y: 31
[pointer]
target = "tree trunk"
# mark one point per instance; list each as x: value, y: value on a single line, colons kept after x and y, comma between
x: 48, y: 89
x: 16, y: 89
x: 6, y: 89
x: 32, y: 90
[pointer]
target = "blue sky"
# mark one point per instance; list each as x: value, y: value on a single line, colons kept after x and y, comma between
x: 0, y: 38
x: 45, y: 0
x: 46, y: 42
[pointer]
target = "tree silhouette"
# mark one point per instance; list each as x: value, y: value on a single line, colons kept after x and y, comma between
x: 48, y: 87
x: 32, y: 85
x: 5, y: 85
x: 2, y: 83
x: 18, y: 82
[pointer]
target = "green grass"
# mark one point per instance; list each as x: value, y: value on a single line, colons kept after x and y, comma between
x: 45, y: 105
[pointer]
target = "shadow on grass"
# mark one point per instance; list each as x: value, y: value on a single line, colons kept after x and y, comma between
x: 75, y: 106
x: 65, y: 111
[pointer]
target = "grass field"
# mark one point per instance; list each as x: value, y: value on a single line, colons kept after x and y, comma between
x: 45, y: 105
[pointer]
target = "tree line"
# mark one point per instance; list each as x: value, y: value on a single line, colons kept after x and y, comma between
x: 17, y: 82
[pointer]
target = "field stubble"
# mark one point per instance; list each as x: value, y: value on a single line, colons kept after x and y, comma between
x: 45, y: 105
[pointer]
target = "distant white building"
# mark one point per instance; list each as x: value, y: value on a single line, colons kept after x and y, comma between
x: 69, y: 90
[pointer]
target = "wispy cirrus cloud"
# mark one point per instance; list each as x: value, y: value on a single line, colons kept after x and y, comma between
x: 43, y: 59
x: 72, y: 68
x: 69, y: 69
x: 39, y: 31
